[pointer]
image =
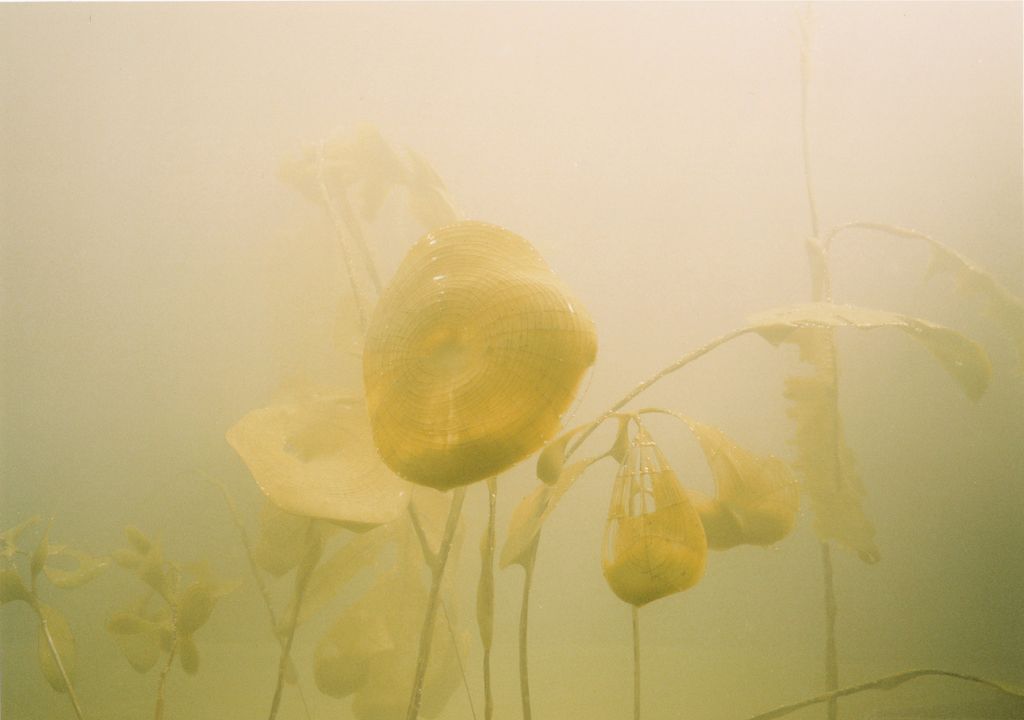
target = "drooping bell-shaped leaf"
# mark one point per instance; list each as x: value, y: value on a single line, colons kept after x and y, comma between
x: 9, y: 538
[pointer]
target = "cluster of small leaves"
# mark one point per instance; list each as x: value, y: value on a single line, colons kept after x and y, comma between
x: 63, y: 567
x: 176, y: 603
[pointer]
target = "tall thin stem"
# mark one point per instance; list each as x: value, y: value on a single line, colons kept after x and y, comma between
x: 310, y: 559
x: 485, y: 594
x: 437, y: 573
x: 158, y: 712
x: 524, y: 618
x: 60, y: 666
x: 831, y: 654
x: 636, y: 662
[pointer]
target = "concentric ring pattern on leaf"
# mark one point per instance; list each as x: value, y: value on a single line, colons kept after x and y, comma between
x: 473, y: 353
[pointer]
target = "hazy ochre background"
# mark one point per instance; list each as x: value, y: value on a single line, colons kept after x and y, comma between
x: 157, y: 281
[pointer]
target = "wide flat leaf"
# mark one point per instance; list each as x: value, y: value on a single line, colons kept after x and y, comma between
x: 194, y: 607
x: 960, y: 356
x: 314, y: 456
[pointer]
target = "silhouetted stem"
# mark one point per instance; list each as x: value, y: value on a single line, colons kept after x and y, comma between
x: 60, y: 666
x: 310, y: 558
x: 437, y: 573
x: 885, y: 683
x: 636, y: 662
x: 831, y: 654
x: 524, y: 617
x: 430, y: 559
x: 257, y: 578
x: 158, y: 712
x: 485, y: 599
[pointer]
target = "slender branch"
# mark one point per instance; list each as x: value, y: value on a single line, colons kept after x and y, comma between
x: 437, y: 571
x: 431, y: 561
x: 257, y: 578
x: 314, y: 549
x: 636, y: 662
x: 158, y: 712
x: 343, y: 243
x: 60, y: 664
x: 485, y: 594
x: 886, y: 683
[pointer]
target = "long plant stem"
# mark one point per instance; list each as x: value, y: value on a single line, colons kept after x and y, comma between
x: 485, y: 594
x: 429, y: 558
x: 309, y: 561
x: 437, y: 573
x: 886, y: 683
x: 158, y: 712
x: 822, y: 292
x: 524, y: 621
x: 257, y: 578
x: 60, y: 667
x: 636, y: 662
x: 831, y: 654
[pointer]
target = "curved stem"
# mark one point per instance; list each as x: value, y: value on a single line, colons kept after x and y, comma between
x: 886, y: 683
x: 60, y: 666
x: 437, y: 572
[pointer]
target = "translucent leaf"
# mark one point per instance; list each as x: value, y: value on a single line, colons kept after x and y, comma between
x: 127, y: 559
x: 9, y: 537
x: 315, y: 457
x: 824, y: 460
x: 428, y: 198
x: 282, y: 539
x: 359, y: 553
x: 194, y: 607
x: 12, y: 587
x: 341, y: 659
x: 1004, y: 308
x: 138, y: 540
x: 63, y: 642
x: 86, y: 567
x: 126, y: 623
x: 961, y: 357
x: 142, y: 650
x: 757, y: 498
x: 188, y: 654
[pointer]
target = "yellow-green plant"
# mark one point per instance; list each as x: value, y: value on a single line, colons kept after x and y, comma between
x: 63, y: 567
x: 176, y: 602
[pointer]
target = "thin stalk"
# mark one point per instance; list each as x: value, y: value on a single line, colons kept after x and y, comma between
x: 60, y: 666
x: 636, y: 662
x: 524, y: 618
x: 822, y: 291
x: 886, y: 683
x: 257, y: 578
x: 303, y: 573
x: 158, y: 712
x: 343, y: 243
x: 831, y: 654
x: 437, y: 572
x: 431, y: 559
x: 485, y: 594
